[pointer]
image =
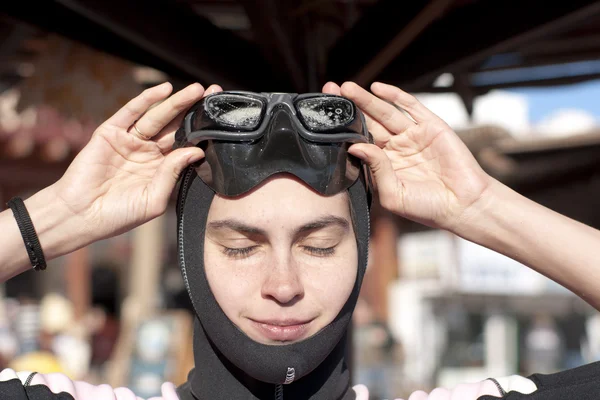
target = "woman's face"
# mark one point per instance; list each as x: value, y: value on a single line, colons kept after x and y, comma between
x: 282, y: 260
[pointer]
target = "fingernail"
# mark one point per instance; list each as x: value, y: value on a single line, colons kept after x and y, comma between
x: 358, y: 153
x: 195, y: 156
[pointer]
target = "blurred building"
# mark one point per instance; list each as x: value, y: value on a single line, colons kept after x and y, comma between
x: 464, y: 313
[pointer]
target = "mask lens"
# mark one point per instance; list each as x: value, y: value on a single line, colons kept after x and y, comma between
x: 324, y: 113
x: 237, y: 111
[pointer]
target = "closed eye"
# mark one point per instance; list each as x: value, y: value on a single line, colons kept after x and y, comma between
x: 238, y: 252
x: 319, y: 251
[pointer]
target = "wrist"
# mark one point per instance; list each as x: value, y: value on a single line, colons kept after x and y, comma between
x: 474, y: 220
x: 500, y: 220
x: 495, y: 220
x: 59, y: 230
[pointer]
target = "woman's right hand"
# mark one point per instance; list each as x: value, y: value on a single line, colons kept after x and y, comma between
x: 59, y: 384
x: 122, y: 179
x: 466, y: 391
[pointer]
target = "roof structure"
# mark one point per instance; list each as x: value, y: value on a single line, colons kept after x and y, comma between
x: 296, y: 45
x: 465, y: 46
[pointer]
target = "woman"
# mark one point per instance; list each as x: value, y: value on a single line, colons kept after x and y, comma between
x: 422, y: 171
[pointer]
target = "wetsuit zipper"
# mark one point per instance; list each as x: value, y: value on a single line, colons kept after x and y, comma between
x: 278, y: 392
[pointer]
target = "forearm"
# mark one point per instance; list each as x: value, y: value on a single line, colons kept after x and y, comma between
x: 58, y: 230
x: 556, y: 246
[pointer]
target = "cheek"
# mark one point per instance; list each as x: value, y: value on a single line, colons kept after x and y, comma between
x: 333, y: 282
x: 232, y: 287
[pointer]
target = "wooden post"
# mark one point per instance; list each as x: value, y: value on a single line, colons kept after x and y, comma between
x: 78, y: 281
x: 140, y: 302
x: 383, y: 267
x: 146, y: 263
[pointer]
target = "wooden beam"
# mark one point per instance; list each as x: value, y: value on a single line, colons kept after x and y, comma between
x: 469, y: 34
x: 160, y: 33
x: 461, y: 82
x: 383, y: 31
x: 274, y: 32
x: 384, y: 262
x: 557, y: 81
x: 546, y: 60
x: 483, y: 89
x: 561, y: 45
x: 77, y: 276
x: 400, y: 41
x: 567, y: 144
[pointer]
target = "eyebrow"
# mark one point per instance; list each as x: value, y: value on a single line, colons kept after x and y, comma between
x: 241, y: 227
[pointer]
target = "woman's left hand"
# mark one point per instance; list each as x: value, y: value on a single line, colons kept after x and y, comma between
x: 422, y: 169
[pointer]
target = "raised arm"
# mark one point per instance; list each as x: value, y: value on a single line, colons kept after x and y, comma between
x: 121, y: 179
x: 425, y: 173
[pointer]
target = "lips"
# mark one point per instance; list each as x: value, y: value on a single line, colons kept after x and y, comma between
x: 287, y: 330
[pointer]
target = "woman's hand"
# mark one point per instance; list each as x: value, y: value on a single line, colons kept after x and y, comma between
x: 60, y: 383
x: 125, y: 175
x: 466, y: 391
x: 121, y: 179
x: 421, y: 168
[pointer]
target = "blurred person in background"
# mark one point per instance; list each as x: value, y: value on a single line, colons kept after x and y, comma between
x: 422, y: 171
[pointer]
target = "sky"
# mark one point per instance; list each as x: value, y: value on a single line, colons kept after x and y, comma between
x: 528, y: 112
x: 543, y: 101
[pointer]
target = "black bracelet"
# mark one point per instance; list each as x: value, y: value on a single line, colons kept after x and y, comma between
x: 30, y: 238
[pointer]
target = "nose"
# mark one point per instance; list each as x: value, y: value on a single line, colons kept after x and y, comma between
x: 283, y: 283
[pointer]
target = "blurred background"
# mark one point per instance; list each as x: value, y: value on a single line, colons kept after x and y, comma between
x: 518, y: 80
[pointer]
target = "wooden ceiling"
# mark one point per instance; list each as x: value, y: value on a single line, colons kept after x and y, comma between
x: 297, y: 45
x: 285, y: 45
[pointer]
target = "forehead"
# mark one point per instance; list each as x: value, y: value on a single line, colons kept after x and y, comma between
x: 282, y: 197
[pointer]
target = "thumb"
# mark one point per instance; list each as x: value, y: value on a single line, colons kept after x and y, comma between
x: 385, y: 179
x: 362, y: 393
x: 168, y: 172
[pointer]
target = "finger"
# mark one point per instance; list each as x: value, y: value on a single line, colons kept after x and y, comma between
x: 8, y: 374
x: 407, y: 102
x: 465, y: 391
x: 57, y: 383
x: 167, y: 175
x: 136, y: 107
x: 489, y: 388
x: 169, y: 391
x: 383, y: 112
x: 332, y: 88
x: 362, y: 393
x: 383, y: 174
x: 380, y: 134
x: 212, y: 89
x: 440, y: 394
x: 418, y: 395
x: 166, y: 137
x: 176, y: 122
x: 125, y: 394
x: 84, y: 390
x: 153, y: 121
